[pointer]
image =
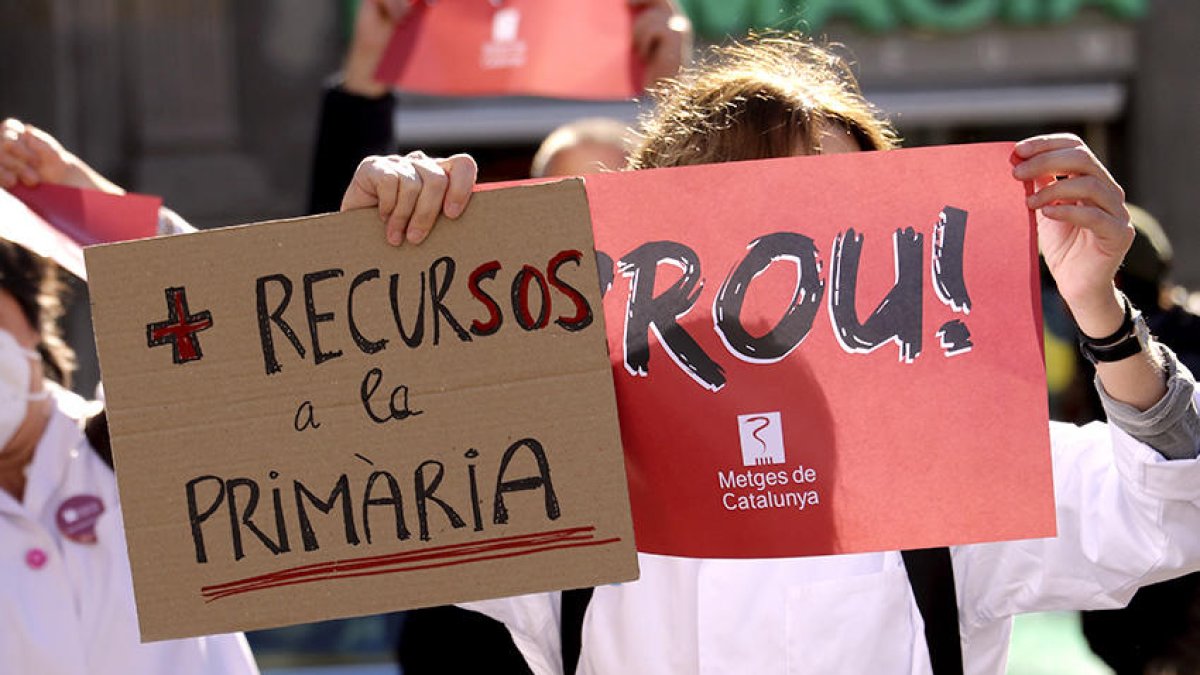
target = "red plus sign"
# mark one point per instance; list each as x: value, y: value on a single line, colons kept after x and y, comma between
x: 180, y: 328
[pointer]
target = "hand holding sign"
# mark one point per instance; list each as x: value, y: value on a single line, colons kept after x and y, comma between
x: 411, y: 191
x: 1084, y: 232
x: 374, y: 24
x: 1083, y: 226
x: 662, y: 38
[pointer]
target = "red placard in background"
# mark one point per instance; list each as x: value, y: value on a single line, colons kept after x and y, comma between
x: 93, y: 217
x: 55, y: 221
x: 853, y: 439
x: 580, y: 50
x: 20, y: 225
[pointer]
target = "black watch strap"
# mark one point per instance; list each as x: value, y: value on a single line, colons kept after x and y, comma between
x: 1128, y: 339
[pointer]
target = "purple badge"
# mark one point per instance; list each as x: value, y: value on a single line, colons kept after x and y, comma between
x: 77, y: 518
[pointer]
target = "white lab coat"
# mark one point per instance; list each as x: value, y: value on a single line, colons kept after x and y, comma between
x: 1127, y: 517
x: 67, y: 607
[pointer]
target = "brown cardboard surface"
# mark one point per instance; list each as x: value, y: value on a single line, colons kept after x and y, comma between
x: 259, y: 489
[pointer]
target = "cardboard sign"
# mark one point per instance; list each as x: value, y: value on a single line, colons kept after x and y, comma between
x: 579, y: 50
x: 827, y: 354
x: 308, y: 423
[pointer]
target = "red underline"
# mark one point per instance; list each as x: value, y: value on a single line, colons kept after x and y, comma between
x: 365, y: 566
x: 447, y: 550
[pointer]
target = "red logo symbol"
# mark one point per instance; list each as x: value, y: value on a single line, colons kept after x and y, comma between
x: 180, y: 328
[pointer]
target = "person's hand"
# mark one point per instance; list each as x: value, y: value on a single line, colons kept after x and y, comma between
x: 373, y: 26
x: 1083, y: 226
x: 30, y: 156
x: 662, y: 38
x: 411, y: 191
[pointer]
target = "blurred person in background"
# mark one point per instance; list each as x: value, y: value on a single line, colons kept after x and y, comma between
x: 588, y: 145
x: 67, y: 603
x: 357, y: 114
x: 1127, y: 502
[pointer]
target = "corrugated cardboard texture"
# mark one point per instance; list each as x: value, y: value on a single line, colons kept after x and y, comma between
x: 308, y: 423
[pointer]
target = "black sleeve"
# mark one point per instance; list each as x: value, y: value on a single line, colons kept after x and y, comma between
x: 350, y: 128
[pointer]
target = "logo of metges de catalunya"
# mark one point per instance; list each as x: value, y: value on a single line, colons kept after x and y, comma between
x: 762, y: 439
x: 504, y: 50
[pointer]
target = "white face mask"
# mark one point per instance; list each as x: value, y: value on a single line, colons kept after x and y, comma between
x: 16, y: 385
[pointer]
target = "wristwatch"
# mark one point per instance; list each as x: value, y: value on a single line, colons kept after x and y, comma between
x: 1130, y: 338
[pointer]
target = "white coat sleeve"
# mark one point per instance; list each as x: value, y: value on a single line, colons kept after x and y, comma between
x: 533, y: 621
x: 1127, y: 517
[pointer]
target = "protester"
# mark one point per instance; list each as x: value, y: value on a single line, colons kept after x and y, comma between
x: 1159, y: 632
x: 1127, y: 503
x: 357, y: 119
x: 68, y: 598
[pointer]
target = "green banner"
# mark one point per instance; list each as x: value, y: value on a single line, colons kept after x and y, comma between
x: 715, y: 19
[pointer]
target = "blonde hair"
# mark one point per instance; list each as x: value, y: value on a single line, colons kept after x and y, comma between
x: 771, y: 96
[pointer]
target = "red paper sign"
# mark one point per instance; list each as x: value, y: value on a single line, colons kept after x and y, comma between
x: 90, y: 216
x: 21, y: 225
x: 827, y: 354
x: 537, y: 47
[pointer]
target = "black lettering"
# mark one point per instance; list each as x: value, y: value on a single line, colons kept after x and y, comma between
x: 475, y: 513
x: 305, y: 417
x: 541, y: 480
x: 392, y: 499
x: 645, y: 312
x: 314, y: 317
x: 341, y: 490
x: 196, y: 518
x: 520, y: 298
x: 370, y: 384
x: 898, y: 316
x: 364, y: 345
x: 604, y: 265
x: 438, y: 293
x: 796, y: 322
x: 244, y: 519
x: 583, y: 311
x: 266, y: 317
x: 280, y: 523
x: 414, y: 339
x: 424, y: 492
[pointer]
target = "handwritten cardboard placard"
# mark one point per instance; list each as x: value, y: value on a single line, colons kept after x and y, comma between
x: 578, y: 50
x: 827, y: 354
x: 308, y: 423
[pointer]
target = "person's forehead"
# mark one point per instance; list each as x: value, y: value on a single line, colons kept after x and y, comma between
x: 585, y: 157
x: 837, y: 139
